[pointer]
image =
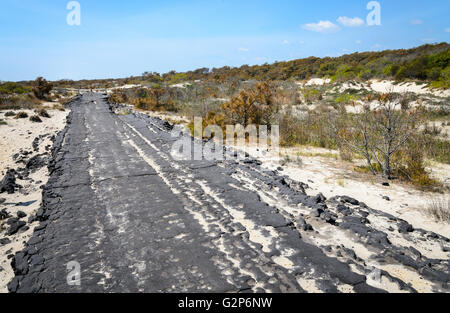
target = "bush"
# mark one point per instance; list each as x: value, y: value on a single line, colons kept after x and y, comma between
x: 408, y: 164
x: 43, y: 113
x: 312, y: 95
x: 314, y: 129
x: 10, y: 113
x: 117, y: 97
x: 346, y: 99
x: 144, y: 104
x: 42, y: 88
x: 16, y: 102
x: 35, y: 119
x: 434, y: 148
x: 14, y: 88
x: 21, y: 115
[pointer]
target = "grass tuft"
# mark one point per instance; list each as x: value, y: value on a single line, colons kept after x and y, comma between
x: 439, y: 208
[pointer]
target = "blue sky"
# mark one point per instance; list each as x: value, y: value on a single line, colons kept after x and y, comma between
x: 122, y: 38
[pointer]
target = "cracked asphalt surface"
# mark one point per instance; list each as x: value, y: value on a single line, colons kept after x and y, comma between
x: 136, y: 220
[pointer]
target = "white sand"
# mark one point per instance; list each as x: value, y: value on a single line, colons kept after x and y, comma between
x: 17, y: 135
x: 382, y: 86
x: 317, y: 82
x: 420, y: 89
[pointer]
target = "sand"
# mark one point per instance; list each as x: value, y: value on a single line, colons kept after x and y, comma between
x: 420, y: 89
x: 335, y: 177
x: 18, y: 135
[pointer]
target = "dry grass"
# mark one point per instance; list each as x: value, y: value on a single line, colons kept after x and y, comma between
x: 439, y: 208
x: 328, y: 155
x: 58, y: 107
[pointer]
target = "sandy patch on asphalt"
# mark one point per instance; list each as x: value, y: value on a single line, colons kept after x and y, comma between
x: 15, y: 137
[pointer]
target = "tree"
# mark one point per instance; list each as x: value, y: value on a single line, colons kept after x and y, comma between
x: 265, y: 97
x: 380, y: 132
x: 242, y: 108
x: 42, y: 88
x: 157, y: 94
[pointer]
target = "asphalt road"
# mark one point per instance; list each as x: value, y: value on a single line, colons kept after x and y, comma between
x: 136, y: 220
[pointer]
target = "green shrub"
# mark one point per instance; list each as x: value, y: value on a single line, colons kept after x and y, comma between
x: 14, y: 88
x: 346, y: 99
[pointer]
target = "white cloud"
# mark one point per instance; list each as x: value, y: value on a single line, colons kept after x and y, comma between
x: 447, y: 30
x: 358, y: 42
x: 350, y: 22
x: 417, y: 22
x: 286, y: 42
x: 322, y: 27
x: 243, y: 49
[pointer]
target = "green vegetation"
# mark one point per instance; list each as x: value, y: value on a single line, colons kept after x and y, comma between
x: 312, y: 130
x: 255, y: 105
x: 434, y: 68
x: 42, y: 88
x: 346, y: 98
x: 152, y: 99
x: 24, y: 95
x: 10, y: 88
x: 427, y: 63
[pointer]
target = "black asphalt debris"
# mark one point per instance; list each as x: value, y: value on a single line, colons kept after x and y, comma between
x: 8, y: 183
